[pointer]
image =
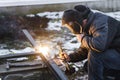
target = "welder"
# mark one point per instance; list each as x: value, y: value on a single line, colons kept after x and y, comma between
x: 99, y: 36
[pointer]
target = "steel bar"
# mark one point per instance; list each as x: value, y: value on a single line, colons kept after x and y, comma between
x: 16, y: 55
x: 11, y: 65
x: 64, y: 61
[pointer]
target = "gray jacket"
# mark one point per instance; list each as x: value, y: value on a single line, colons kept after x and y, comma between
x: 101, y: 33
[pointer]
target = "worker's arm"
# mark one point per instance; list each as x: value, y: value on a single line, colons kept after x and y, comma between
x: 76, y: 56
x: 79, y: 55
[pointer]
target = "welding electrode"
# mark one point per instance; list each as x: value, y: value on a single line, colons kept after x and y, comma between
x: 65, y: 62
x: 69, y: 70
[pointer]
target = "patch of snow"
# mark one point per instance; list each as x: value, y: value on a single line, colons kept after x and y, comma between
x: 58, y: 39
x: 70, y: 46
x: 52, y: 15
x: 80, y: 64
x: 2, y: 46
x: 73, y: 39
x: 54, y: 26
x: 115, y: 15
x: 28, y: 49
x: 76, y: 68
x: 30, y: 15
x: 4, y: 51
x: 85, y: 77
x: 96, y: 10
x: 20, y: 59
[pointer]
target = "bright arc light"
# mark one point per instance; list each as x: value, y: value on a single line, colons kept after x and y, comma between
x: 44, y: 50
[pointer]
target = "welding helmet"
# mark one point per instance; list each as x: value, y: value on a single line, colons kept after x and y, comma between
x: 73, y: 18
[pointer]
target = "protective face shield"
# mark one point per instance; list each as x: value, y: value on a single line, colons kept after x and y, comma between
x: 74, y: 27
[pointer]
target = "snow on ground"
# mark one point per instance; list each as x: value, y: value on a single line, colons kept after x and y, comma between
x: 85, y: 77
x: 53, y: 15
x: 54, y: 26
x: 27, y: 49
x: 11, y: 51
x: 70, y: 46
x: 115, y: 15
x: 4, y: 51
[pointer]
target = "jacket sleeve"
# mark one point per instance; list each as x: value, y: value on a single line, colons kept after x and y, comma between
x: 98, y: 39
x: 79, y: 55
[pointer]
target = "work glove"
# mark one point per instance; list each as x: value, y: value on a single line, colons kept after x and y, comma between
x: 64, y: 56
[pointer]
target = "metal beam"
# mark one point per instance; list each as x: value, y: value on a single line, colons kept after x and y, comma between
x: 16, y: 55
x: 59, y: 75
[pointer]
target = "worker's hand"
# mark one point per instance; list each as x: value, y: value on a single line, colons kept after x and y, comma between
x: 64, y: 56
x: 79, y: 37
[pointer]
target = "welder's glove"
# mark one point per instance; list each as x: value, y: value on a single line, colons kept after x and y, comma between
x: 64, y: 56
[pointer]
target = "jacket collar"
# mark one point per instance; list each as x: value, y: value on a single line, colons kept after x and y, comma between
x: 89, y: 22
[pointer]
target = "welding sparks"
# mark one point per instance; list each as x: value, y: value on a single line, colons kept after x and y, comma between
x: 44, y: 50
